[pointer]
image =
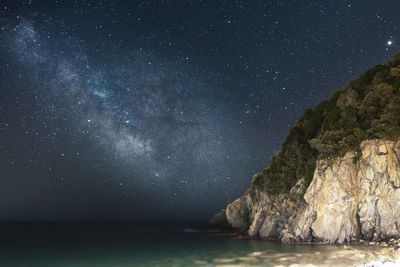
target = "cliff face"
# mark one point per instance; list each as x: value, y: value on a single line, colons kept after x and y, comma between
x: 336, y: 178
x: 263, y: 215
x: 347, y: 200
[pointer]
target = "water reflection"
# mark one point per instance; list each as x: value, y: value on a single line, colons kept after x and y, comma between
x: 127, y: 244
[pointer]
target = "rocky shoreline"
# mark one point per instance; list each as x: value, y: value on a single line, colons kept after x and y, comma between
x: 336, y: 180
x: 347, y: 201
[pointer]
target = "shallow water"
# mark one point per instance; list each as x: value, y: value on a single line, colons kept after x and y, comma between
x: 153, y: 244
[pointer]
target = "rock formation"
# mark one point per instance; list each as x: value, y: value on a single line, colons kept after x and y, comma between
x: 337, y: 178
x: 345, y: 201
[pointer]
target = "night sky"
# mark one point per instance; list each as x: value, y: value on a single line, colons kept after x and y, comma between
x: 165, y: 109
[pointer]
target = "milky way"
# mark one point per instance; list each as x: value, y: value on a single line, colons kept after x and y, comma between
x: 132, y: 110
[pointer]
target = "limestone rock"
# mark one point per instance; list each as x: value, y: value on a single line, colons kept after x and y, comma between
x: 345, y: 201
x: 272, y: 226
x: 264, y: 216
x: 301, y: 225
x: 257, y: 223
x: 237, y: 214
x: 349, y: 198
x: 331, y: 197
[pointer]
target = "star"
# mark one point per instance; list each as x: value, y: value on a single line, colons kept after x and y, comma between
x: 168, y: 97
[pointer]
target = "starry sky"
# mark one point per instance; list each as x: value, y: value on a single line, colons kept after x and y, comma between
x: 165, y: 109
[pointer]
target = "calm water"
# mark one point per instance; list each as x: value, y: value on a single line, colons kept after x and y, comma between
x: 136, y: 244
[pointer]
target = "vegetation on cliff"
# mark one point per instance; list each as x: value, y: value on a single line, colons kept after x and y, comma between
x: 368, y: 108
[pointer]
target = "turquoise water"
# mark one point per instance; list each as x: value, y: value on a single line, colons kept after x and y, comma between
x: 137, y: 244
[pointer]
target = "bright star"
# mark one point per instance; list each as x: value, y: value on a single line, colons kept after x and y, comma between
x: 390, y: 42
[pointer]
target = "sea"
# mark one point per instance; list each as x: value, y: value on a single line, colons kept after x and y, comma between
x: 151, y: 243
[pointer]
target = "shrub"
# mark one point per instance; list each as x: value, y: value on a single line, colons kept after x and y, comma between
x: 357, y: 157
x: 396, y: 83
x: 369, y: 75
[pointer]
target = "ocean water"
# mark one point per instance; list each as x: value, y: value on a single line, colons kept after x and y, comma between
x: 123, y: 244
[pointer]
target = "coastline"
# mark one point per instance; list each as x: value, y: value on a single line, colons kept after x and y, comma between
x: 359, y: 253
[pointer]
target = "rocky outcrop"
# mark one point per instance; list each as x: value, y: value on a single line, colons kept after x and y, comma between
x: 350, y: 198
x: 237, y: 214
x: 262, y: 215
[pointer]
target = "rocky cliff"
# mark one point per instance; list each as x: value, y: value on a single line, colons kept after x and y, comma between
x: 337, y: 178
x: 345, y: 201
